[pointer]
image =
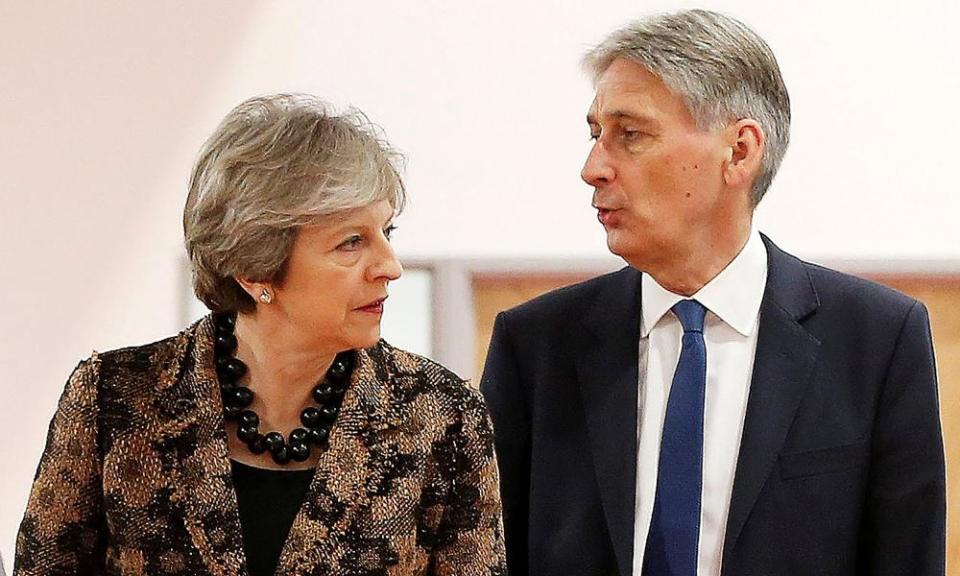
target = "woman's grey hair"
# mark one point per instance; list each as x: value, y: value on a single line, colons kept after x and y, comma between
x: 721, y: 68
x: 275, y: 164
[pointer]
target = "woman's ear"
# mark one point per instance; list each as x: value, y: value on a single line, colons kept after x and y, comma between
x: 260, y: 291
x: 747, y: 141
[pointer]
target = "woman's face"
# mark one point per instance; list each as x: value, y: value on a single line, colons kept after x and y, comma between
x: 336, y: 278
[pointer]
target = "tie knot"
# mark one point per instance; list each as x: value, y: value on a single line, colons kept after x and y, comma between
x: 691, y: 314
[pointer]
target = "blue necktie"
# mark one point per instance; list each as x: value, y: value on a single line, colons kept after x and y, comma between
x: 675, y: 526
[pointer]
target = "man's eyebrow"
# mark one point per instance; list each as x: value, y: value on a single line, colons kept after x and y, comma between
x: 619, y: 115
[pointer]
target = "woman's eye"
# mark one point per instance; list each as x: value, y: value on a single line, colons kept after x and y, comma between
x: 388, y: 231
x: 631, y: 134
x: 351, y: 243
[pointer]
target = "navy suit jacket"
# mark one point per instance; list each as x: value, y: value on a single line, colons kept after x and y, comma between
x: 841, y: 463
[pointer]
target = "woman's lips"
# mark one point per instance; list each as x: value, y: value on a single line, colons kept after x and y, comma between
x: 374, y: 307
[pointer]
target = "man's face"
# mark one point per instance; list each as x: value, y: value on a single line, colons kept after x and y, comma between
x: 657, y: 178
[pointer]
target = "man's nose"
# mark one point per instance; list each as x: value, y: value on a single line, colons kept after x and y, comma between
x: 597, y: 170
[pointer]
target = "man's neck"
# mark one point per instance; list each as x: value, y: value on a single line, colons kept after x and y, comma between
x: 687, y: 274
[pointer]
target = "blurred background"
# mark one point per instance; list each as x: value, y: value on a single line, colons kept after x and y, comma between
x: 104, y: 104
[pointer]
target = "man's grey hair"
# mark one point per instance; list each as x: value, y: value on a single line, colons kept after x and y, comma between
x: 721, y: 68
x: 273, y: 165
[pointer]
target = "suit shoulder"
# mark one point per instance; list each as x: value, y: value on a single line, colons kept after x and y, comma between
x: 836, y: 288
x: 562, y: 302
x: 859, y: 307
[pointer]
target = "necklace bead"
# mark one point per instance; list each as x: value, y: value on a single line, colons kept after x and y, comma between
x: 231, y: 369
x: 329, y: 412
x: 297, y: 436
x: 249, y: 418
x: 310, y: 417
x: 225, y: 343
x: 257, y: 445
x: 299, y: 451
x: 339, y: 368
x: 225, y: 322
x: 247, y: 433
x: 318, y: 435
x: 273, y: 441
x: 324, y: 393
x: 281, y: 456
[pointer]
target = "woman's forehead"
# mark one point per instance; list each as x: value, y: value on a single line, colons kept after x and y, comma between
x: 374, y: 214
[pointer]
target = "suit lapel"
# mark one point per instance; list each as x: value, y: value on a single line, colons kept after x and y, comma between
x: 192, y: 433
x: 607, y: 372
x: 785, y: 357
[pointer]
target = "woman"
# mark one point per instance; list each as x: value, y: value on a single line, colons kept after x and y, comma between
x: 279, y: 435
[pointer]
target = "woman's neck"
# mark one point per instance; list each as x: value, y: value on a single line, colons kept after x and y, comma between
x: 283, y: 368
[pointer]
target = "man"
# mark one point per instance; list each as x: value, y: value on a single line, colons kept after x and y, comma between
x: 719, y: 406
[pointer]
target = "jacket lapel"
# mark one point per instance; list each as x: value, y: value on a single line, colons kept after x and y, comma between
x: 340, y: 489
x: 607, y: 371
x: 192, y: 434
x: 785, y: 356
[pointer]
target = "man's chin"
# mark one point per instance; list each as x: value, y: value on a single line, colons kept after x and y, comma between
x: 628, y: 251
x: 616, y: 244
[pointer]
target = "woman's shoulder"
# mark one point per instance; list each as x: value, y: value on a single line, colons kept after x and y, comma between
x: 142, y: 362
x: 412, y: 370
x: 405, y: 362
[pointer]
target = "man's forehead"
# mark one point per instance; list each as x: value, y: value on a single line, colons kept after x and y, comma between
x: 625, y: 104
x: 627, y: 89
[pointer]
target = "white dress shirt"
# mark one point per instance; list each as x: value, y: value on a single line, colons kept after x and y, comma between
x: 732, y: 300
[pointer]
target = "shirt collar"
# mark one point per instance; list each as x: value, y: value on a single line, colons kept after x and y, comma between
x: 733, y: 295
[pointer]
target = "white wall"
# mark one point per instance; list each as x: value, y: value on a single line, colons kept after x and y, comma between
x: 103, y: 105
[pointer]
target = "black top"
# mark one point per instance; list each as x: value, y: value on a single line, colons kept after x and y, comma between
x: 268, y: 501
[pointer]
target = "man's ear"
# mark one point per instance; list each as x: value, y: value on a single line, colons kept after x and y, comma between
x: 747, y: 141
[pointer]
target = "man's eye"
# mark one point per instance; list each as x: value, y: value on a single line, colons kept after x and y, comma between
x: 629, y: 134
x: 594, y: 135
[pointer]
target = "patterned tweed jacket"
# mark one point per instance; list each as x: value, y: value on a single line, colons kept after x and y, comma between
x: 135, y: 477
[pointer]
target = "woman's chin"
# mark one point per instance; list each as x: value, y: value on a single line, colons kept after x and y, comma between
x: 368, y: 340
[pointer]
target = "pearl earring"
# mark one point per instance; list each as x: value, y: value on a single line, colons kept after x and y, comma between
x: 265, y: 296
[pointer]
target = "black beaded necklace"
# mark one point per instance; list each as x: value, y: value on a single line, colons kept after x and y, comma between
x: 317, y: 420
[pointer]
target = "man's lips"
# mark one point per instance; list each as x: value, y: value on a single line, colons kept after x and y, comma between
x: 607, y: 216
x: 375, y: 307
